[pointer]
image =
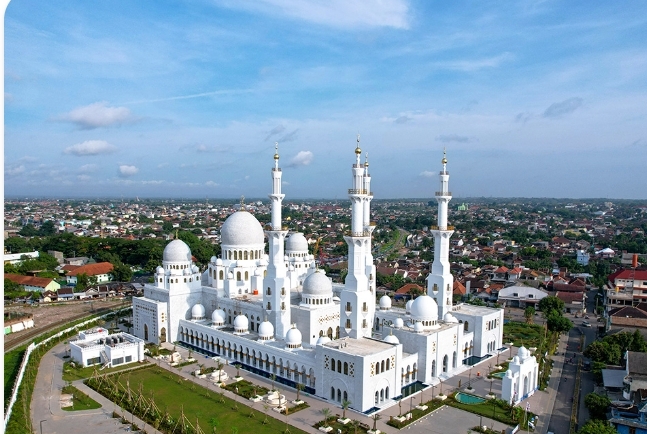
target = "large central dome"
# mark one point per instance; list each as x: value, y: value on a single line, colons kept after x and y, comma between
x: 177, y: 251
x: 241, y: 229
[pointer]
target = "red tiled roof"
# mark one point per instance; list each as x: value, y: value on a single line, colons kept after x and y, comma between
x: 92, y: 269
x: 629, y: 274
x: 570, y: 297
x: 501, y: 269
x: 459, y: 288
x: 408, y: 287
x: 40, y: 282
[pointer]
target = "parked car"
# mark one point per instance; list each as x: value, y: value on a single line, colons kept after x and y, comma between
x: 586, y: 324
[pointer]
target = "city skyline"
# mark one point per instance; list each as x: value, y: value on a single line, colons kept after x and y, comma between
x: 186, y: 100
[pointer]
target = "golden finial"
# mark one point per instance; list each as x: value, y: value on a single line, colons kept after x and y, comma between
x: 358, y: 151
x: 276, y: 150
x: 444, y: 156
x: 242, y: 203
x: 366, y: 161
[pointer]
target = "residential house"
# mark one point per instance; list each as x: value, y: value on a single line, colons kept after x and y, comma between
x: 521, y: 296
x: 635, y: 382
x: 630, y: 421
x: 32, y: 283
x: 629, y: 316
x: 100, y: 270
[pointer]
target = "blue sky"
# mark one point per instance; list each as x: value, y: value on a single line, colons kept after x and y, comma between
x: 186, y: 98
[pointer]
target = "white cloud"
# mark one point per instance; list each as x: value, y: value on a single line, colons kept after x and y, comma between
x: 303, y: 158
x: 88, y: 168
x: 83, y: 178
x: 97, y: 115
x: 471, y: 65
x: 335, y: 13
x: 91, y: 147
x: 274, y: 131
x: 152, y: 182
x: 211, y: 184
x: 14, y: 170
x: 126, y: 171
x: 427, y: 174
x: 162, y: 165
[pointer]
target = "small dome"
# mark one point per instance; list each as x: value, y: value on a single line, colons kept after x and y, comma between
x: 418, y: 327
x: 449, y: 318
x: 241, y: 323
x: 317, y: 284
x: 258, y: 272
x: 266, y: 330
x: 323, y: 340
x: 398, y: 323
x: 218, y: 261
x: 508, y: 373
x: 186, y: 272
x: 241, y: 229
x: 523, y: 353
x: 218, y: 316
x: 293, y: 337
x: 159, y: 270
x: 392, y: 339
x: 515, y: 359
x: 177, y: 251
x: 194, y: 268
x: 385, y: 302
x: 424, y: 308
x: 213, y: 259
x: 197, y: 312
x: 408, y: 306
x: 296, y: 243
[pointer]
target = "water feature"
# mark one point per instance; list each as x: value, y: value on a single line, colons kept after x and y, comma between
x: 466, y: 398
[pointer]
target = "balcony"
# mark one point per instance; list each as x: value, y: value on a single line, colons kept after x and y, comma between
x: 447, y: 228
x: 443, y: 193
x: 444, y: 172
x: 357, y: 191
x: 276, y: 169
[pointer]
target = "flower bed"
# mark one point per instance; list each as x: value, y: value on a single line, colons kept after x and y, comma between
x: 417, y: 413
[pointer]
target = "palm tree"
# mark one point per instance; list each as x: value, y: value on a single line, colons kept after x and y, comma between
x: 326, y: 414
x: 355, y: 424
x: 375, y: 418
x: 273, y: 378
x: 300, y: 387
x: 265, y: 407
x: 213, y: 422
x: 344, y: 404
x: 220, y: 366
x: 529, y: 313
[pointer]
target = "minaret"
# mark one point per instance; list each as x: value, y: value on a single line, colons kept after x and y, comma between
x: 357, y: 307
x: 440, y: 282
x: 276, y: 291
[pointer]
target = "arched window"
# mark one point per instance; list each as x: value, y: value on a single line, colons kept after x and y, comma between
x: 454, y: 360
x: 382, y: 366
x: 245, y: 254
x: 246, y: 275
x: 433, y: 368
x: 332, y: 364
x: 388, y: 364
x: 238, y: 276
x: 377, y: 368
x: 269, y: 291
x: 445, y: 363
x: 221, y: 275
x: 345, y: 368
x: 235, y: 255
x: 466, y: 326
x: 269, y: 306
x: 332, y: 393
x: 339, y: 366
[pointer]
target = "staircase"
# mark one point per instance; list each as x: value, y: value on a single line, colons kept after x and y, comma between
x: 106, y: 359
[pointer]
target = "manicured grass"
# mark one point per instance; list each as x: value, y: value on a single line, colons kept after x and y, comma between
x: 71, y: 373
x: 174, y: 394
x: 246, y: 389
x: 528, y: 335
x: 494, y: 409
x: 80, y: 400
x: 345, y: 429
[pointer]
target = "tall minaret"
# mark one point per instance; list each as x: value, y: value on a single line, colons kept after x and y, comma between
x: 440, y: 282
x: 276, y: 291
x: 357, y: 307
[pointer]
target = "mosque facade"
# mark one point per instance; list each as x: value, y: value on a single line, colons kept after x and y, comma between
x: 275, y: 313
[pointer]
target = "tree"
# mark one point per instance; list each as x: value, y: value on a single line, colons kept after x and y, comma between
x: 344, y: 405
x: 529, y: 313
x: 167, y: 227
x: 550, y: 303
x: 83, y: 281
x: 597, y: 405
x: 121, y: 272
x: 557, y: 323
x: 375, y: 417
x: 597, y: 427
x: 326, y: 414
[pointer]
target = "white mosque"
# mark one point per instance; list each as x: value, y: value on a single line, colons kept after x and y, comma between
x: 277, y: 314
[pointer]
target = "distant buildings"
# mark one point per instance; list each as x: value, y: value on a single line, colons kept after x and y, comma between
x: 100, y: 270
x: 97, y: 346
x: 32, y: 283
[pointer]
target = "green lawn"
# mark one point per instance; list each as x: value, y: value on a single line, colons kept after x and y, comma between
x: 80, y: 400
x: 528, y: 335
x: 494, y: 409
x: 72, y: 374
x: 174, y: 394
